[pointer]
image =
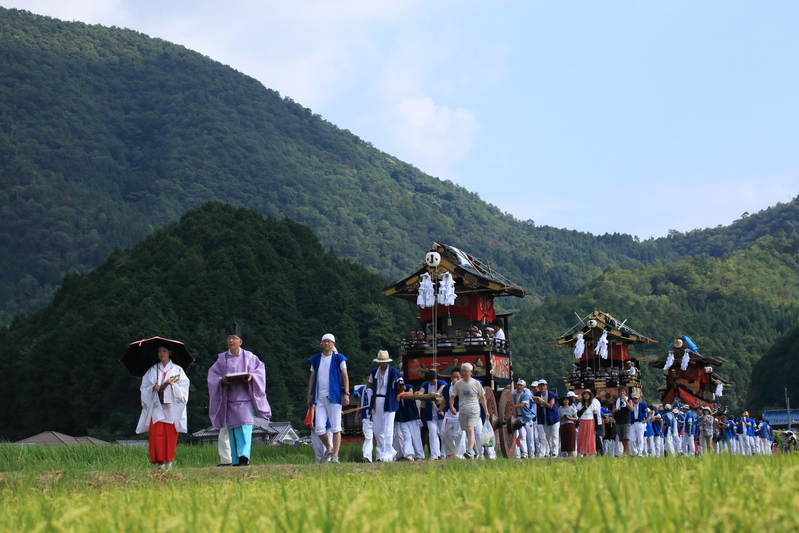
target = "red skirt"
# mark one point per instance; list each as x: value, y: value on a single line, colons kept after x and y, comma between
x: 586, y: 438
x: 163, y: 441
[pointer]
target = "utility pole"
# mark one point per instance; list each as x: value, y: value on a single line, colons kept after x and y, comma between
x: 788, y: 406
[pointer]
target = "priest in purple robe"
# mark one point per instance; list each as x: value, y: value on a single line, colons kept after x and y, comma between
x: 237, y: 388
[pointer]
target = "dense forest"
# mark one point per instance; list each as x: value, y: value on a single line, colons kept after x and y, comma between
x: 777, y: 370
x: 59, y: 367
x: 733, y: 307
x: 107, y: 134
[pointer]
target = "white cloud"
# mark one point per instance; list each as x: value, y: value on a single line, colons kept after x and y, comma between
x: 433, y: 136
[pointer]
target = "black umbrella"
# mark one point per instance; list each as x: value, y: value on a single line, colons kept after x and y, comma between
x: 143, y: 354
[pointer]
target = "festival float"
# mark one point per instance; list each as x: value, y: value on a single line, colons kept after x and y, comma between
x: 455, y: 293
x: 690, y: 376
x: 601, y: 347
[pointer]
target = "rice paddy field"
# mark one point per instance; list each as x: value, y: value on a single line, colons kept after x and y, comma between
x: 92, y: 488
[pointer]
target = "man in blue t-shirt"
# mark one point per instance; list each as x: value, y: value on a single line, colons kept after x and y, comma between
x: 523, y: 402
x: 548, y: 420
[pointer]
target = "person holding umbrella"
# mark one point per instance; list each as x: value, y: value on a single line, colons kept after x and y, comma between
x: 237, y: 390
x: 164, y: 394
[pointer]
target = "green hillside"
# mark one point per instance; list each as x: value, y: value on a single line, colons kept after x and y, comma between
x: 734, y: 307
x: 777, y: 370
x: 59, y: 367
x: 107, y: 134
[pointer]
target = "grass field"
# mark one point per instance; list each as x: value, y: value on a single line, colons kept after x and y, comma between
x: 114, y: 489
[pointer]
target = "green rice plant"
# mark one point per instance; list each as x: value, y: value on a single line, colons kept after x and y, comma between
x: 593, y: 494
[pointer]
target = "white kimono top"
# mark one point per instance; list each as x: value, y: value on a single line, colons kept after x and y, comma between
x: 173, y: 410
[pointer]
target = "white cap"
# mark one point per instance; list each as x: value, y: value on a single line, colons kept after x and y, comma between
x: 521, y: 382
x: 329, y: 337
x: 467, y: 366
x: 571, y: 394
x: 534, y: 384
x: 667, y: 407
x: 542, y: 382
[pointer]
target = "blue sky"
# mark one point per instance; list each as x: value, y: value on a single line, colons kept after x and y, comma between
x: 634, y: 117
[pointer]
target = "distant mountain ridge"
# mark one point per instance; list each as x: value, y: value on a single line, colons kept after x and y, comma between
x: 107, y: 134
x: 733, y: 307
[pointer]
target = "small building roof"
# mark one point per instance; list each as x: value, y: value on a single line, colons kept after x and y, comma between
x: 593, y: 326
x: 276, y: 431
x: 469, y: 274
x: 54, y: 438
x: 779, y: 417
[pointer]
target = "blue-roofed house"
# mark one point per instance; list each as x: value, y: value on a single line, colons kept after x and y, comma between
x: 778, y: 418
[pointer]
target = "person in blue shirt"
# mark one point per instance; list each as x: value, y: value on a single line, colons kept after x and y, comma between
x: 523, y: 402
x: 364, y: 394
x: 742, y: 427
x: 638, y: 416
x: 433, y: 414
x: 670, y: 428
x: 687, y: 431
x: 548, y: 420
x: 408, y: 437
x: 382, y: 381
x: 328, y: 390
x: 655, y: 425
x: 765, y: 435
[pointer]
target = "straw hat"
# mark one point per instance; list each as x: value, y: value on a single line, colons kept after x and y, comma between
x: 382, y: 357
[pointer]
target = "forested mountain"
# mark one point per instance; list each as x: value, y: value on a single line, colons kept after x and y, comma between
x: 107, y: 134
x: 59, y: 367
x: 777, y: 370
x: 734, y: 307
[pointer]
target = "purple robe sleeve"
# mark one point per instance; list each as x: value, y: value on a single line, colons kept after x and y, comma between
x: 217, y: 395
x: 258, y: 388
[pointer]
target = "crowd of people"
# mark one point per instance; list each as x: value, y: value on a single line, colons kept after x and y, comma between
x: 473, y: 336
x: 454, y: 414
x: 587, y: 425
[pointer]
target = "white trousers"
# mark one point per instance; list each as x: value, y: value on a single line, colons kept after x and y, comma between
x: 319, y: 448
x: 527, y: 440
x: 743, y: 444
x: 765, y: 446
x: 223, y: 445
x: 368, y: 440
x: 687, y: 445
x: 383, y: 427
x: 610, y: 447
x: 553, y: 438
x: 487, y: 451
x: 657, y: 443
x: 434, y: 439
x: 327, y: 410
x: 454, y: 438
x: 668, y: 445
x: 754, y: 444
x: 541, y: 441
x: 637, y: 444
x: 411, y: 439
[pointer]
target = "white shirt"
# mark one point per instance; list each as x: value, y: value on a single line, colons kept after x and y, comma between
x: 499, y: 335
x: 323, y: 377
x: 382, y: 382
x: 594, y: 408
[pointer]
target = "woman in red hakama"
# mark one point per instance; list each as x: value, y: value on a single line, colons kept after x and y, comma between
x: 164, y: 393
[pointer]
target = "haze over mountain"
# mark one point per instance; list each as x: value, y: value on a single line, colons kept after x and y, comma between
x: 107, y: 134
